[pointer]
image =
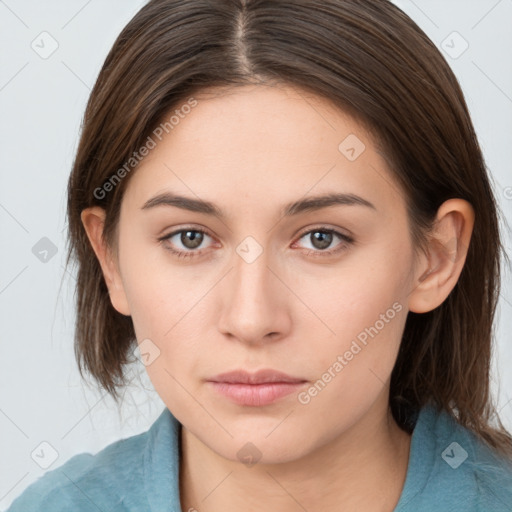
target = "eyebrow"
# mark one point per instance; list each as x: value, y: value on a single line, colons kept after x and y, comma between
x: 295, y: 208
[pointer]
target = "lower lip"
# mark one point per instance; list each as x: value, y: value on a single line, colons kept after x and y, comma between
x: 256, y: 394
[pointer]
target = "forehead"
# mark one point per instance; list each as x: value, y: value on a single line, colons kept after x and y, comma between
x: 260, y: 146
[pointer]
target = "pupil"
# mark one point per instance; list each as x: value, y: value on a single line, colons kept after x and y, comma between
x: 190, y: 240
x: 322, y: 240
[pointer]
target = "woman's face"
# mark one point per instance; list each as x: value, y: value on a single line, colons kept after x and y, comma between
x: 319, y: 293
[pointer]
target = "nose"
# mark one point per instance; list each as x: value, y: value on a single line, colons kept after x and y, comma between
x: 254, y: 302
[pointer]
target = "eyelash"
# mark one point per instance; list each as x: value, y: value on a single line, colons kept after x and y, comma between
x: 347, y: 240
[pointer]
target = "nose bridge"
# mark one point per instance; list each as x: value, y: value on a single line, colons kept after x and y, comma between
x: 252, y: 303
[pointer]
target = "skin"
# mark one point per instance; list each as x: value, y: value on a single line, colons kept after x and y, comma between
x: 250, y: 151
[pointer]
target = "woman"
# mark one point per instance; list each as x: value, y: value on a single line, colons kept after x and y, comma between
x: 284, y: 206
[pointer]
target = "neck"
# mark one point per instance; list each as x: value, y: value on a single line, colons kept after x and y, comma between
x: 362, y: 469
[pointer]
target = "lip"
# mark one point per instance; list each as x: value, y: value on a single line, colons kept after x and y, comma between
x: 255, y: 389
x: 264, y: 376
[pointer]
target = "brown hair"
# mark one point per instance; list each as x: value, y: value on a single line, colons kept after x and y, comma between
x: 372, y: 61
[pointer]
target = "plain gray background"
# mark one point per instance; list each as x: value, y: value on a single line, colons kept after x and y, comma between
x: 42, y: 99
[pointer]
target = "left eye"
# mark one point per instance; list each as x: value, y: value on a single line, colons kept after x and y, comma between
x: 322, y: 238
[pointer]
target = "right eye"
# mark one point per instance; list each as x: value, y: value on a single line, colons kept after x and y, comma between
x: 190, y: 238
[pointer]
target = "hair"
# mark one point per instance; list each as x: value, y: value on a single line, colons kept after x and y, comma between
x: 374, y: 63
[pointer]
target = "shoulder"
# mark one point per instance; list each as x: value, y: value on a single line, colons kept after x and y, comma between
x: 491, y: 477
x: 89, y: 482
x: 454, y: 468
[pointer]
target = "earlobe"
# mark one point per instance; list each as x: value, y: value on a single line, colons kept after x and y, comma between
x: 93, y: 220
x: 440, y: 269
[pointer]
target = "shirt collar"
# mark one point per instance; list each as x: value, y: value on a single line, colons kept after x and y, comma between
x: 162, y: 464
x: 162, y: 457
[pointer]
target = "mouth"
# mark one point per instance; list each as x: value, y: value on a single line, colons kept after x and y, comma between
x: 255, y: 389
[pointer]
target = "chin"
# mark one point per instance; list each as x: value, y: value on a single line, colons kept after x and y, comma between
x: 255, y: 448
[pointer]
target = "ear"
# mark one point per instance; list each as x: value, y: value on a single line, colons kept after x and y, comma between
x: 439, y: 270
x: 93, y: 220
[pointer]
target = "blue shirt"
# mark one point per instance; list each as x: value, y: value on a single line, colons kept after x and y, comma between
x: 449, y: 470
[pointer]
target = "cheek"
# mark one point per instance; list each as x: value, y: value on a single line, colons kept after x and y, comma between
x: 364, y: 309
x: 356, y: 296
x: 170, y: 308
x: 352, y: 368
x: 159, y: 292
x: 167, y: 310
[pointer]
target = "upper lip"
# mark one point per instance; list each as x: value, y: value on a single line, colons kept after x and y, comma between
x: 259, y: 377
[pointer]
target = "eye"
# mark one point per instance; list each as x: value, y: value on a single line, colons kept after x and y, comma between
x: 321, y: 239
x: 189, y: 238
